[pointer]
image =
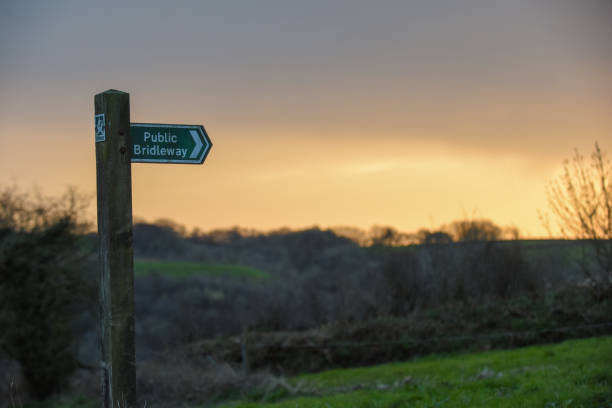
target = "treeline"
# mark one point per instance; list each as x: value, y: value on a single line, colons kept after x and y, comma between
x: 468, y: 230
x: 319, y: 277
x: 287, y: 252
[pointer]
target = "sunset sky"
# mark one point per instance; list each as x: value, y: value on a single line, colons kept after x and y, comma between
x: 330, y: 113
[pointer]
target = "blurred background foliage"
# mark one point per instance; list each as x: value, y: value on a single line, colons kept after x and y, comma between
x: 46, y: 282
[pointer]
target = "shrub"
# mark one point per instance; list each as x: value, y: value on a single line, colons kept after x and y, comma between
x: 42, y: 285
x: 173, y: 377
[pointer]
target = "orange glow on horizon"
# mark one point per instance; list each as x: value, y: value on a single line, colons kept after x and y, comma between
x: 405, y: 115
x: 303, y: 182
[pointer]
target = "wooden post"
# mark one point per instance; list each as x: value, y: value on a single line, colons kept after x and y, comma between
x: 244, y: 347
x: 116, y: 254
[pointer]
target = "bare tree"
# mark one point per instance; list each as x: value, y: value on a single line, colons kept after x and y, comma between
x: 475, y: 230
x: 581, y: 201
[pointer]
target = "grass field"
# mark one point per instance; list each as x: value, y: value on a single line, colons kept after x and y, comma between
x: 570, y: 374
x: 181, y: 269
x: 574, y: 374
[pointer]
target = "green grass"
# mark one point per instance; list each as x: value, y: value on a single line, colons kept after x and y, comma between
x: 570, y: 374
x: 570, y: 250
x: 574, y: 374
x: 181, y: 269
x: 63, y: 402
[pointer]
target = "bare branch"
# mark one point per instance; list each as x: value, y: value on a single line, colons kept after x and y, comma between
x: 581, y: 201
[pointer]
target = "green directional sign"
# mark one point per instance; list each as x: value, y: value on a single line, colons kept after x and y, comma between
x: 163, y: 143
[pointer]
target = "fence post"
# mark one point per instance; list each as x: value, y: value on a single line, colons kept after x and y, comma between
x: 244, y: 346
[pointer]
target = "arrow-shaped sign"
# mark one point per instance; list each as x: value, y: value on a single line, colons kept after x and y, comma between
x: 163, y: 143
x: 198, y: 144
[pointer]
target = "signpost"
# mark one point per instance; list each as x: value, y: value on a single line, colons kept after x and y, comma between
x: 157, y: 143
x: 118, y: 144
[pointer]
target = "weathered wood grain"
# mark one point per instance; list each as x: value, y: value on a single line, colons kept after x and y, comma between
x: 116, y: 257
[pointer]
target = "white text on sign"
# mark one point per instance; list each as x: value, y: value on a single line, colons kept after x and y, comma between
x: 157, y: 150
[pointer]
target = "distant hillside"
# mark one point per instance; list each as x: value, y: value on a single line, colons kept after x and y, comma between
x: 183, y: 269
x: 288, y: 252
x: 282, y: 252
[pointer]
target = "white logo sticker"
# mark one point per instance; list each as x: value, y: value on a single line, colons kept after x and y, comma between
x: 100, y: 128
